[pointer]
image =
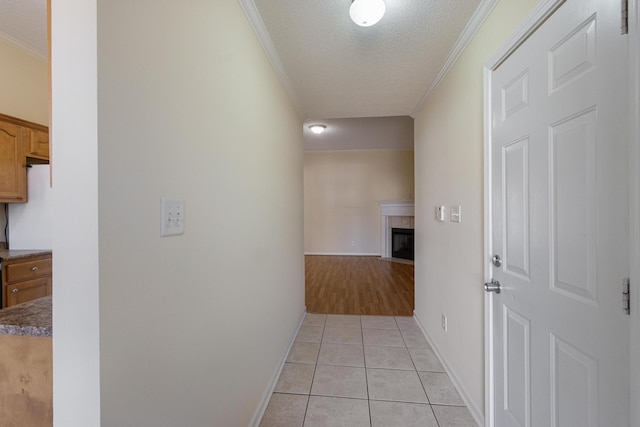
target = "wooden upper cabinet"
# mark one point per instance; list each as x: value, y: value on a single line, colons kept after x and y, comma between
x: 38, y: 144
x: 21, y: 143
x: 13, y: 166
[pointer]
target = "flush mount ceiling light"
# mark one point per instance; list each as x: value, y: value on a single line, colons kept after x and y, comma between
x: 366, y: 12
x: 317, y: 129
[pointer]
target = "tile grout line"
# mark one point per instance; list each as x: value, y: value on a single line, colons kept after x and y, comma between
x: 366, y: 373
x: 420, y: 378
x: 366, y: 370
x: 315, y: 367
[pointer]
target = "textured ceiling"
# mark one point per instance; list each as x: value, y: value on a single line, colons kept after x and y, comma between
x: 380, y: 133
x: 23, y: 23
x: 334, y: 71
x: 338, y: 69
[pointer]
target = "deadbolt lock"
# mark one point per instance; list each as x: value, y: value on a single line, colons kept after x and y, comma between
x: 496, y: 261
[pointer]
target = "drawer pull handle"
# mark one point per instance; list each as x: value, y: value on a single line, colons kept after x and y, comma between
x: 15, y: 290
x: 34, y: 268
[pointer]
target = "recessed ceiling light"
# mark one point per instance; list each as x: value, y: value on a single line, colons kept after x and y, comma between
x: 317, y: 129
x: 366, y: 12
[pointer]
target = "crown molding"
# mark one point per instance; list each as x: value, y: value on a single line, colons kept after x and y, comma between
x: 477, y: 19
x: 253, y: 16
x: 22, y: 46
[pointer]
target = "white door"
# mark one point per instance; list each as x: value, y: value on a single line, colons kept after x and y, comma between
x: 559, y: 222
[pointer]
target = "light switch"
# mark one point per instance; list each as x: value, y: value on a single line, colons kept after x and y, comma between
x: 456, y: 213
x: 440, y: 213
x: 171, y: 217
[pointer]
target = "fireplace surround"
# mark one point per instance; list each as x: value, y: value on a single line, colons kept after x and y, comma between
x: 394, y: 214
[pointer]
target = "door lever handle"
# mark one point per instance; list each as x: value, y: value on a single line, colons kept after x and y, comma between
x: 493, y: 286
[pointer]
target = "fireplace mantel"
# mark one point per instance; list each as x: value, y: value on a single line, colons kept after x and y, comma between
x: 397, y: 208
x: 390, y: 209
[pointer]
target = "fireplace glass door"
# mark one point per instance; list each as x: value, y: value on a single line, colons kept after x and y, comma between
x: 402, y: 243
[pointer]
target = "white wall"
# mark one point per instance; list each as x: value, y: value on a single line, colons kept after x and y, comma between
x: 449, y: 171
x: 191, y: 328
x: 76, y: 352
x: 341, y: 194
x: 24, y: 91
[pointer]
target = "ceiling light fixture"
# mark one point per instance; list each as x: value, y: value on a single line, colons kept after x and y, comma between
x: 317, y: 129
x: 366, y: 12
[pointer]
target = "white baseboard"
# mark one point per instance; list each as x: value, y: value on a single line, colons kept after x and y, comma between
x: 266, y: 396
x: 476, y: 412
x: 343, y: 253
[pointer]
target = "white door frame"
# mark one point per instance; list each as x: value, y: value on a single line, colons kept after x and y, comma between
x: 634, y: 204
x: 526, y: 28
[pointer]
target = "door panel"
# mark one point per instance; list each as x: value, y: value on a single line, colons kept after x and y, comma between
x: 574, y: 386
x: 515, y: 191
x: 559, y: 181
x: 573, y: 210
x: 515, y: 95
x: 573, y: 56
x: 517, y: 374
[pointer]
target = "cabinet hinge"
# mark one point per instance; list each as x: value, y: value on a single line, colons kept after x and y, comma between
x: 624, y: 16
x: 626, y: 300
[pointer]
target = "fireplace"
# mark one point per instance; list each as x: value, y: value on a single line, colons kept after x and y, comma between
x: 402, y: 243
x: 394, y: 214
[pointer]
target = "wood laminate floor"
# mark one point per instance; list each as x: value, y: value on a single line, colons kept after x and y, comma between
x: 358, y: 285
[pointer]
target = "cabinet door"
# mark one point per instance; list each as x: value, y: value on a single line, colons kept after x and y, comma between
x: 26, y: 291
x: 38, y: 144
x: 13, y: 169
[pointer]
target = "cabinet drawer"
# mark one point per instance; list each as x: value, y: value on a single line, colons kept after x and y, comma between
x: 28, y: 270
x: 27, y: 291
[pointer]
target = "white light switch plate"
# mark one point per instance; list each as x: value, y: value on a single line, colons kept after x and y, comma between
x: 456, y: 213
x: 171, y: 217
x: 440, y: 213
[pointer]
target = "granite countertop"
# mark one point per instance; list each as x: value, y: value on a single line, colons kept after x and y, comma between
x: 6, y: 254
x: 32, y: 318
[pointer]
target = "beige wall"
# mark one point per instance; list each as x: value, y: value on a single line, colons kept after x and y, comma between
x: 24, y: 91
x: 181, y: 103
x: 24, y: 85
x: 341, y: 194
x: 449, y: 152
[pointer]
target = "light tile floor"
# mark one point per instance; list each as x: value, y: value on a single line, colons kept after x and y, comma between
x: 370, y: 371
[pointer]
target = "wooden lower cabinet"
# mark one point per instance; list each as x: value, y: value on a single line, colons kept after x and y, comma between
x: 28, y: 290
x: 25, y: 279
